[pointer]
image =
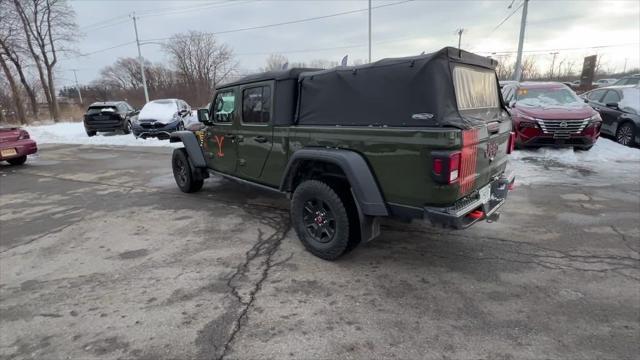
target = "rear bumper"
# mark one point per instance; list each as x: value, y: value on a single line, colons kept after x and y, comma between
x: 471, y: 209
x: 106, y: 126
x: 22, y: 147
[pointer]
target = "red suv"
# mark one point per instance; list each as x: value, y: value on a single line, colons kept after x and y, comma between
x: 551, y: 114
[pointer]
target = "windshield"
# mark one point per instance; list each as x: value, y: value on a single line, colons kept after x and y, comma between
x: 548, y: 97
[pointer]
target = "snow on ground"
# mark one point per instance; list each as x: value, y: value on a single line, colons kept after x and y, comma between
x: 607, y: 162
x: 73, y: 133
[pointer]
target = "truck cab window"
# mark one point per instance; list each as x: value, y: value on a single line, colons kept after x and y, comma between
x: 224, y: 107
x: 256, y: 105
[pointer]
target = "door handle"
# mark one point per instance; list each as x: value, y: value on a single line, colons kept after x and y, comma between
x: 260, y: 139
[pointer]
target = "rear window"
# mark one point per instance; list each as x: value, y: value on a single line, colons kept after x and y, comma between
x: 476, y: 88
x: 98, y: 109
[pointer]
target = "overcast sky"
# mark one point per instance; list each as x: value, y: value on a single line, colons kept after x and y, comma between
x: 573, y: 28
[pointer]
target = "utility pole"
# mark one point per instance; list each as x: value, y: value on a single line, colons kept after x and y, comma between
x: 77, y: 86
x: 523, y: 23
x: 141, y: 59
x: 369, y: 30
x: 553, y: 63
x: 459, y: 32
x: 624, y: 70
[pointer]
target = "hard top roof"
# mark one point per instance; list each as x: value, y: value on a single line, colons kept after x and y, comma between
x: 269, y: 75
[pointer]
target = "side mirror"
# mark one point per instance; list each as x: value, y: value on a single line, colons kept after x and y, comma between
x: 585, y: 100
x: 203, y: 116
x: 613, y: 105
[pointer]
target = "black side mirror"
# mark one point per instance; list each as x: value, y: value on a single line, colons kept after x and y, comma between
x: 585, y: 100
x: 613, y: 105
x: 203, y: 116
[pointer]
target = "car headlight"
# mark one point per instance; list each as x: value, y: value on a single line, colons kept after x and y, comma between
x: 595, y: 119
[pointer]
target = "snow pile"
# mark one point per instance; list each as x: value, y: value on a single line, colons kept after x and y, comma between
x: 605, y: 163
x: 74, y: 133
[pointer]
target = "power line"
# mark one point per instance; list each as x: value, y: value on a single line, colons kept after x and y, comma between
x: 505, y: 19
x: 295, y: 21
x: 560, y: 49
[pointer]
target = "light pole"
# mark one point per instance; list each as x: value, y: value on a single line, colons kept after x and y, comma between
x: 77, y: 86
x: 369, y: 30
x: 523, y: 23
x: 553, y: 63
x: 141, y: 59
x: 460, y: 31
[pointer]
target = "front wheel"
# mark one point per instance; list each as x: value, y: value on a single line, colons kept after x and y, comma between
x: 625, y: 134
x: 91, y: 133
x: 127, y: 127
x: 18, y: 161
x: 183, y: 173
x: 320, y: 219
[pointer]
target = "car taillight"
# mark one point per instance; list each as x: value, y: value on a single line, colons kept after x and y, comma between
x: 454, y: 167
x: 446, y: 167
x: 23, y: 135
x: 512, y: 143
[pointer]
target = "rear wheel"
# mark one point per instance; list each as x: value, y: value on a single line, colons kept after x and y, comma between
x: 320, y: 219
x: 91, y: 133
x: 625, y: 134
x: 183, y: 174
x: 18, y: 161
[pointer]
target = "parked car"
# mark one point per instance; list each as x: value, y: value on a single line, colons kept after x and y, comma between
x: 575, y: 84
x: 159, y: 118
x: 15, y: 145
x: 109, y: 116
x: 551, y: 114
x: 604, y: 82
x: 619, y: 107
x: 628, y: 80
x: 424, y: 137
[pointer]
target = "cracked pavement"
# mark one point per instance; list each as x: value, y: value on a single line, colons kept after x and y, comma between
x: 102, y: 257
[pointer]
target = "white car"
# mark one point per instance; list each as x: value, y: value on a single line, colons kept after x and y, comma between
x: 159, y: 118
x: 604, y: 82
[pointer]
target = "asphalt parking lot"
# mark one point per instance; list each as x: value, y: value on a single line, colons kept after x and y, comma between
x: 102, y: 257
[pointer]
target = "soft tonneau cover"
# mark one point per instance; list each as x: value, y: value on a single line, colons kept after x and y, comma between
x: 411, y: 91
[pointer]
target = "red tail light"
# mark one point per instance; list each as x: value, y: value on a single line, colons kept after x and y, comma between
x: 454, y: 167
x: 446, y: 167
x: 512, y: 143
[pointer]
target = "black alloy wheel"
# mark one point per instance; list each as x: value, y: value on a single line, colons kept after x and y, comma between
x: 183, y: 174
x: 319, y: 220
x: 625, y: 133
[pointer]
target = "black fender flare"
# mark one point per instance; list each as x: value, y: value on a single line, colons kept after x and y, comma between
x: 363, y: 184
x: 191, y: 144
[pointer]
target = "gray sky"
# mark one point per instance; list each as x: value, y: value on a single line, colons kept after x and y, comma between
x: 407, y: 28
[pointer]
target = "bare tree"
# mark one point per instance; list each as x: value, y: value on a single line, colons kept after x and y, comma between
x: 11, y: 40
x: 124, y: 73
x: 201, y: 61
x: 17, y: 99
x: 49, y: 25
x: 275, y: 62
x: 529, y: 68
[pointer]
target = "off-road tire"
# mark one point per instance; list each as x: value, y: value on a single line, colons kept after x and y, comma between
x: 318, y: 191
x: 127, y: 127
x: 183, y: 173
x: 18, y: 161
x: 624, y: 129
x: 91, y: 133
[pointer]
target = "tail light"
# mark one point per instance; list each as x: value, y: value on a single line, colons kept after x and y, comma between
x: 446, y: 167
x: 23, y: 135
x: 512, y: 143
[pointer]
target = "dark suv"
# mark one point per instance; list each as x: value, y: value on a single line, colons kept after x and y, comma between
x: 109, y: 116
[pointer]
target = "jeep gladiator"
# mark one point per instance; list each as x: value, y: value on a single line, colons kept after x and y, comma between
x: 423, y: 137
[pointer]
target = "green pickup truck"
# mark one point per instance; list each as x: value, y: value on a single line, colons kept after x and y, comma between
x: 423, y: 137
